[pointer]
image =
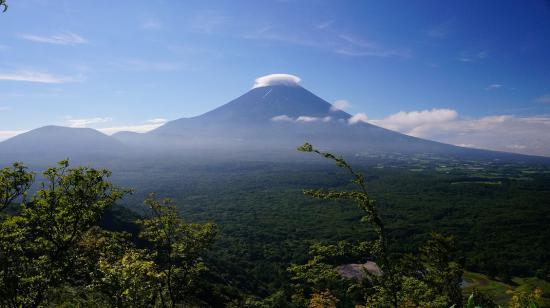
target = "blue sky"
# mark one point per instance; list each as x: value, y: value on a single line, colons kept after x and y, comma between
x: 473, y: 73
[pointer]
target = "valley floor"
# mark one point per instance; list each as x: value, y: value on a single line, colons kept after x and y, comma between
x: 500, y: 291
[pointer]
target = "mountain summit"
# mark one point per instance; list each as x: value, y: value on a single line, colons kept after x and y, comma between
x: 278, y: 113
x: 261, y: 106
x: 275, y: 116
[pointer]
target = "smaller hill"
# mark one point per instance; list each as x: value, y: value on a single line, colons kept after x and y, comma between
x: 57, y: 142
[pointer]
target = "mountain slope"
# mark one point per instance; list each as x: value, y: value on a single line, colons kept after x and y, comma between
x: 284, y: 116
x: 258, y: 107
x: 271, y: 119
x: 57, y: 142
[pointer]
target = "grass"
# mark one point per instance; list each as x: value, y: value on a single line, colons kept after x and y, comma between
x: 494, y: 289
x: 497, y: 289
x: 477, y: 182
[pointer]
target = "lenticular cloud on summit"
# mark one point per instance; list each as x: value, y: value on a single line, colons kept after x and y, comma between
x: 277, y: 79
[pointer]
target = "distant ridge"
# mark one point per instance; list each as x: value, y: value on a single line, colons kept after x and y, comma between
x: 270, y: 118
x: 58, y: 142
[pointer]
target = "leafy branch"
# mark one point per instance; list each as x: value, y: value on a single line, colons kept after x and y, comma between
x: 359, y: 196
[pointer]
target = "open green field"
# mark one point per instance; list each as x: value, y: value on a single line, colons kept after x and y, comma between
x: 498, y: 290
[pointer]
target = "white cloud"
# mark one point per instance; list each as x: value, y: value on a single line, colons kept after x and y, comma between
x: 308, y: 119
x: 469, y: 57
x: 93, y: 123
x: 273, y: 34
x: 358, y: 47
x: 544, y: 99
x: 145, y: 65
x: 282, y: 118
x: 39, y: 77
x: 86, y: 122
x: 66, y: 38
x: 482, y: 54
x: 151, y: 24
x: 327, y: 37
x: 357, y: 118
x: 405, y: 121
x: 325, y: 25
x: 137, y: 128
x: 493, y: 86
x: 276, y: 79
x: 516, y: 146
x: 526, y: 135
x: 300, y: 119
x: 466, y: 145
x: 339, y: 105
x: 207, y: 21
x: 6, y: 134
x: 157, y: 121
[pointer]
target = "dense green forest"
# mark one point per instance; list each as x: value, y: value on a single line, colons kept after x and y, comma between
x: 267, y: 223
x: 251, y: 238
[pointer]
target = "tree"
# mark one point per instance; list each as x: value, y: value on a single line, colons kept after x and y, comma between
x: 38, y: 245
x: 131, y: 281
x: 323, y: 300
x: 431, y: 280
x: 54, y: 247
x: 110, y: 271
x: 14, y: 183
x: 521, y: 298
x: 177, y: 249
x: 441, y: 271
x: 378, y: 249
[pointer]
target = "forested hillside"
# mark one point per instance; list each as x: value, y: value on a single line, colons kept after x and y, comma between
x: 72, y: 242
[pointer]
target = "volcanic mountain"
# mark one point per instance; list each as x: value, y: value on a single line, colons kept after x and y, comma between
x: 275, y: 116
x: 279, y: 114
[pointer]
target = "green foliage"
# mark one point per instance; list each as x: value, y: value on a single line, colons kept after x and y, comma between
x: 68, y: 204
x: 378, y: 249
x: 177, y: 250
x: 523, y: 299
x: 14, y: 181
x: 265, y: 229
x: 491, y: 293
x: 441, y: 271
x: 323, y: 300
x: 433, y: 279
x: 315, y: 276
x: 54, y: 253
x: 518, y: 299
x: 480, y: 299
x: 110, y: 271
x: 38, y: 245
x: 267, y: 223
x: 131, y: 281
